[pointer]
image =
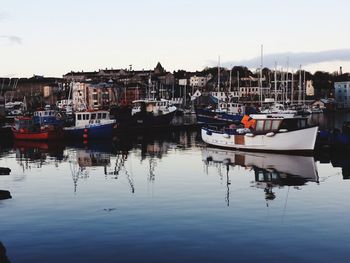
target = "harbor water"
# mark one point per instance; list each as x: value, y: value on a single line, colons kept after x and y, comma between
x: 171, y: 198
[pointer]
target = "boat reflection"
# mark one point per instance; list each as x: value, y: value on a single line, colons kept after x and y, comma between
x: 115, y: 158
x: 38, y: 153
x: 270, y: 170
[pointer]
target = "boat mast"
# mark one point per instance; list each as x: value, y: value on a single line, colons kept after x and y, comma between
x: 260, y: 78
x: 230, y: 80
x: 299, y: 93
x: 292, y: 89
x: 238, y: 85
x: 304, y: 90
x: 275, y: 77
x: 281, y: 86
x: 287, y: 79
x: 218, y: 81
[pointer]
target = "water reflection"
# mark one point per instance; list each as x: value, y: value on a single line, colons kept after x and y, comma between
x: 330, y: 120
x: 141, y: 192
x: 271, y: 170
x: 338, y: 159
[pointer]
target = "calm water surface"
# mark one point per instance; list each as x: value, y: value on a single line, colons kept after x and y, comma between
x: 171, y: 198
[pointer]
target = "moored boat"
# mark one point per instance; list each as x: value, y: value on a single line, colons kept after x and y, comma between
x: 48, y: 117
x: 91, y: 125
x: 227, y: 113
x: 265, y: 133
x: 25, y: 128
x: 146, y: 115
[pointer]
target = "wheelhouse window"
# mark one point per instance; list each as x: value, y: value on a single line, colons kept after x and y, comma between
x: 267, y: 125
x: 79, y: 117
x: 275, y: 125
x: 259, y: 125
x: 93, y: 116
x: 99, y: 115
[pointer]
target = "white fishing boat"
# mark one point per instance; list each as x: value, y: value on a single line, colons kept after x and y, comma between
x: 265, y: 133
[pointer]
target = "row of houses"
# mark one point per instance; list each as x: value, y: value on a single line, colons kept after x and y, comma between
x: 106, y: 87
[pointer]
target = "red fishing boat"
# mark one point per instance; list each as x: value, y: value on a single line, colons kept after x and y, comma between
x: 24, y: 128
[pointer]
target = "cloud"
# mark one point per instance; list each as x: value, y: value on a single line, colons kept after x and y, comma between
x: 3, y: 16
x: 12, y: 39
x: 295, y: 59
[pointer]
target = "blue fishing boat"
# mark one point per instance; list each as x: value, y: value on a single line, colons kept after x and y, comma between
x: 48, y: 117
x: 90, y: 125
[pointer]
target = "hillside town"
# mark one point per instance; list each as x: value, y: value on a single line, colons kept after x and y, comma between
x: 104, y: 88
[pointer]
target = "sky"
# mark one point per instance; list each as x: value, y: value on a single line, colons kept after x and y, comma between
x: 51, y: 37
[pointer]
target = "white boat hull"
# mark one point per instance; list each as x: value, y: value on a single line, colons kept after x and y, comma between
x: 299, y: 140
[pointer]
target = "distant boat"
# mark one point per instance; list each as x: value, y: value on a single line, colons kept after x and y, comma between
x: 25, y: 128
x: 226, y: 113
x: 48, y: 117
x: 265, y: 133
x: 278, y: 109
x: 146, y: 115
x: 314, y: 110
x: 91, y: 125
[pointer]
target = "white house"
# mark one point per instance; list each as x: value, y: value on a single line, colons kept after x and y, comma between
x: 199, y: 81
x: 342, y: 94
x: 310, y: 91
x: 183, y: 82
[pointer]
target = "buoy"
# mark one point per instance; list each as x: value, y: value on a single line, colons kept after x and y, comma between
x: 85, y: 136
x: 85, y: 130
x: 249, y: 134
x: 282, y: 130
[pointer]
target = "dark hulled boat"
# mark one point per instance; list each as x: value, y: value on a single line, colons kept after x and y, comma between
x: 146, y: 115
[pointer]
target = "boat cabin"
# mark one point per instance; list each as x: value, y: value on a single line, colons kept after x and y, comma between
x: 152, y: 106
x: 25, y: 124
x: 277, y: 124
x: 232, y: 108
x: 94, y: 117
x: 47, y: 117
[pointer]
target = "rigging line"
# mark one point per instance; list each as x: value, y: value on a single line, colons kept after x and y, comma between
x: 285, y: 205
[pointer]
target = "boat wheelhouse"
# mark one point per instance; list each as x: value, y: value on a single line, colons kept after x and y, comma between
x: 44, y: 117
x: 265, y: 133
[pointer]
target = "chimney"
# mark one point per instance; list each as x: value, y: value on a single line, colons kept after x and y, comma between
x: 341, y: 70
